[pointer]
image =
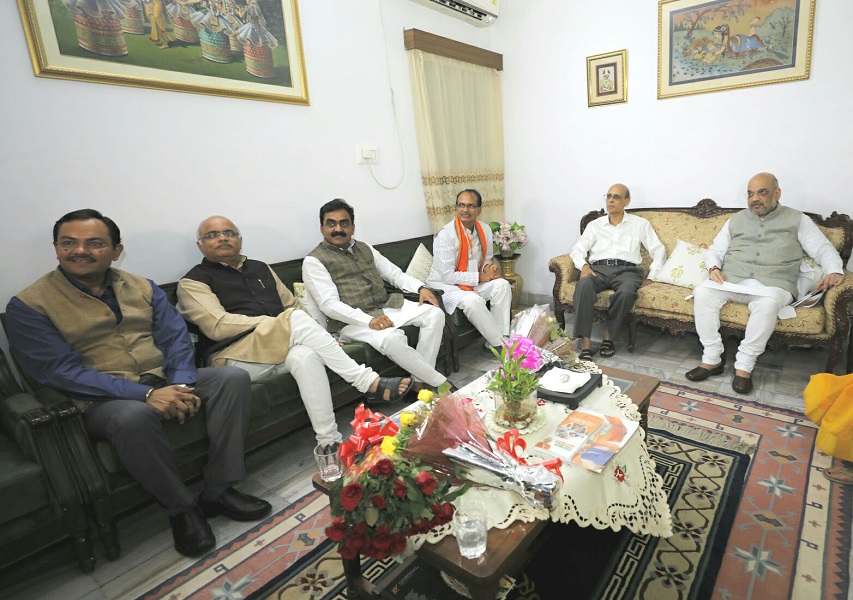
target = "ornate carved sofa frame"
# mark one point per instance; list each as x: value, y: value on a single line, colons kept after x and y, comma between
x: 663, y: 305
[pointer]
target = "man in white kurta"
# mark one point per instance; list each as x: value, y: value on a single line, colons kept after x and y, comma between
x: 462, y: 267
x: 345, y: 278
x: 755, y: 260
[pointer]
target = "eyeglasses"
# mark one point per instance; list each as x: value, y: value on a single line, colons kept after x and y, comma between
x: 343, y: 223
x: 762, y: 193
x: 466, y: 206
x: 212, y: 235
x: 90, y: 245
x: 616, y: 197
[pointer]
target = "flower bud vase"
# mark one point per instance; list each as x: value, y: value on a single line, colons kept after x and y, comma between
x: 515, y: 413
x: 515, y: 280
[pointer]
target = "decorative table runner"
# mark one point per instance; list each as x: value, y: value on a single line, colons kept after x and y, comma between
x: 628, y: 493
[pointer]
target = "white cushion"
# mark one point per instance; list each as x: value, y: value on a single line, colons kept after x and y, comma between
x: 309, y: 304
x: 685, y: 267
x: 421, y: 264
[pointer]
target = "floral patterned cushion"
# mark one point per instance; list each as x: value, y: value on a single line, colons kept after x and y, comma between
x: 685, y: 267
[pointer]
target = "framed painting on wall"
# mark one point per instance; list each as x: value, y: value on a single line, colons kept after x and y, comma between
x: 240, y: 48
x: 607, y: 78
x: 708, y: 46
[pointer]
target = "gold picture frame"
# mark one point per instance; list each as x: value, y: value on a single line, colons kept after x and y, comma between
x: 176, y: 46
x: 710, y: 46
x: 607, y: 78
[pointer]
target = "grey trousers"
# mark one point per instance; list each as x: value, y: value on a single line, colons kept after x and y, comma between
x: 624, y: 281
x: 134, y: 428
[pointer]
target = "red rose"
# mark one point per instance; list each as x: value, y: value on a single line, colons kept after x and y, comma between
x: 443, y: 512
x: 351, y: 495
x: 384, y: 468
x: 426, y: 482
x: 337, y: 531
x: 360, y: 528
x: 348, y: 552
x: 398, y: 544
x: 382, y: 538
x: 378, y: 501
x: 401, y: 489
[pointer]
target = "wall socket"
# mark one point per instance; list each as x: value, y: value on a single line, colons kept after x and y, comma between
x: 367, y: 155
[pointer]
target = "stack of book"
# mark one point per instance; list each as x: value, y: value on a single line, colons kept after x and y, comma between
x: 588, y: 438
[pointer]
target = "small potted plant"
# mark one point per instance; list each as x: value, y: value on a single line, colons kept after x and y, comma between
x: 507, y: 238
x: 515, y: 382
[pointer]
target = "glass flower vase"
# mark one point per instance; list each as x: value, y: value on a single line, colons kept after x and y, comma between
x: 514, y: 412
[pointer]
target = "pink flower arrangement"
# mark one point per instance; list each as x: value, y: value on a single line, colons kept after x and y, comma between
x: 506, y: 237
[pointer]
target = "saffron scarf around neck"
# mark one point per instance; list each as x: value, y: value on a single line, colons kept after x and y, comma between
x: 464, y: 249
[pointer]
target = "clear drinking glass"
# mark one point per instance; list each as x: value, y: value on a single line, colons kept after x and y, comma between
x: 328, y: 462
x: 470, y: 525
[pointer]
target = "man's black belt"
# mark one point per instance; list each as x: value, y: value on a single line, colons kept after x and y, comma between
x: 613, y: 262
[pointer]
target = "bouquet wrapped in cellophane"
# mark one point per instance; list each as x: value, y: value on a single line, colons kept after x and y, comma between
x: 539, y: 325
x: 453, y: 440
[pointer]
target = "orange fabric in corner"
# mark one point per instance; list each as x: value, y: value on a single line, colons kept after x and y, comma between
x: 462, y: 259
x: 829, y: 403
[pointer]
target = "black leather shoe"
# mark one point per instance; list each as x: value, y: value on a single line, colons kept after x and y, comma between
x: 701, y: 373
x: 742, y: 385
x: 191, y: 532
x: 236, y: 505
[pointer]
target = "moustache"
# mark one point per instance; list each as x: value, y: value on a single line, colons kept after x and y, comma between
x: 338, y: 234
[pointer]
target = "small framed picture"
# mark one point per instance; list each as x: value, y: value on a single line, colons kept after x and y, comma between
x: 607, y: 78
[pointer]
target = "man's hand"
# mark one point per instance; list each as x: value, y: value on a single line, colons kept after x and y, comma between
x: 716, y: 275
x: 645, y: 282
x: 586, y: 271
x: 830, y: 280
x: 380, y: 323
x: 426, y: 295
x: 174, y: 401
x: 490, y: 272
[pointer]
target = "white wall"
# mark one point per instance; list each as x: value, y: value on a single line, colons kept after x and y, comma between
x: 561, y: 156
x: 159, y: 162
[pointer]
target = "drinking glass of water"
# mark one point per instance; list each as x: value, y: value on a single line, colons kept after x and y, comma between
x: 470, y: 525
x: 328, y: 462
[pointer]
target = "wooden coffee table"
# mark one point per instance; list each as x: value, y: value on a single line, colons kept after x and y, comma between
x: 508, y: 549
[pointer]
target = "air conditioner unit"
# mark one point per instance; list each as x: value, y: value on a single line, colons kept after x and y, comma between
x: 481, y: 13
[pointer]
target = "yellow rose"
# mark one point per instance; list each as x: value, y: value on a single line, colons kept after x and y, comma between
x: 389, y: 445
x: 425, y: 395
x: 406, y: 419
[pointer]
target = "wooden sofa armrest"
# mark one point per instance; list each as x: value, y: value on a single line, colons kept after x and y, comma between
x: 563, y: 268
x: 837, y: 303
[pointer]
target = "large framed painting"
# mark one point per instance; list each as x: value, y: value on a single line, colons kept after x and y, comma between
x: 708, y: 46
x: 240, y: 48
x: 607, y: 78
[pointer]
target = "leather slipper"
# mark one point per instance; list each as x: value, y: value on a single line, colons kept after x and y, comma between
x: 842, y: 475
x: 607, y: 349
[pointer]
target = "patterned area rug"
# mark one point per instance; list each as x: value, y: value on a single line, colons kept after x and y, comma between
x: 780, y: 545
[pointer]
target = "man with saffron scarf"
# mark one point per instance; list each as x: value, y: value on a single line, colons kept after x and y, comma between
x: 345, y: 279
x: 463, y: 268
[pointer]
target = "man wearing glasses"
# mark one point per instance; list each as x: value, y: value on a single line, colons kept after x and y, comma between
x: 346, y: 278
x: 608, y: 256
x: 463, y: 268
x: 249, y: 319
x: 755, y: 260
x: 114, y: 343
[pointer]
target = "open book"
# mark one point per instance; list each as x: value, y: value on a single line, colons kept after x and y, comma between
x: 588, y: 439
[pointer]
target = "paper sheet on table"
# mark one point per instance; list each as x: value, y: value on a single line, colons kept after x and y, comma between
x: 786, y: 312
x: 563, y: 380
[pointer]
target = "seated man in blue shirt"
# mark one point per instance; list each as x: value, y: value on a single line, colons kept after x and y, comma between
x: 113, y: 342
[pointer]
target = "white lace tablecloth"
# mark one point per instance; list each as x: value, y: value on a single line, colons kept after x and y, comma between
x: 628, y: 493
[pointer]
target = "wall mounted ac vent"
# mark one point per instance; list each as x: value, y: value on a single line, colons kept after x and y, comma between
x: 481, y: 13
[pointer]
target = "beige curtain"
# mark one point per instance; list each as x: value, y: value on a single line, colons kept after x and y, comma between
x: 458, y: 117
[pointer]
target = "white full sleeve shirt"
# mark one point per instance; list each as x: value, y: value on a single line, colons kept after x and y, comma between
x: 601, y: 240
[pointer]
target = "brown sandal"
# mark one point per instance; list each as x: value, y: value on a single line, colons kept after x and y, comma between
x: 842, y: 475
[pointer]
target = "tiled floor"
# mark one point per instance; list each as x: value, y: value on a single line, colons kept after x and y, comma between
x: 281, y: 471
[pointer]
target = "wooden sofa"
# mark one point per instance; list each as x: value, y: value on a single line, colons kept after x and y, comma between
x: 664, y: 305
x: 106, y: 490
